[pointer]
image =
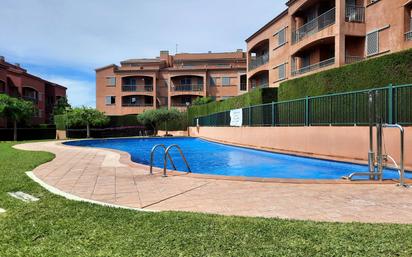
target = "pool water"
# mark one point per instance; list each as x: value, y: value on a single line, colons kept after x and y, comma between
x: 217, y: 159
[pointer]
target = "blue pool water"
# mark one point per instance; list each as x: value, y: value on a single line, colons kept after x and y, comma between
x: 212, y: 158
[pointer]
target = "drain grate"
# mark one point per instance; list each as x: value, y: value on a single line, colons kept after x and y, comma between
x: 23, y: 196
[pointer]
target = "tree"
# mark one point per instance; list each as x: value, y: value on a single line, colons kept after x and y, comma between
x: 202, y: 100
x: 85, y: 116
x: 154, y: 118
x: 61, y: 106
x: 16, y: 110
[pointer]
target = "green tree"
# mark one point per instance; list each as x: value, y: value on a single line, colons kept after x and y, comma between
x: 61, y: 106
x: 202, y: 100
x: 154, y: 118
x: 16, y: 110
x: 85, y: 116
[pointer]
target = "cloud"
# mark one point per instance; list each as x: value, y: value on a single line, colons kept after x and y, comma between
x: 83, y: 35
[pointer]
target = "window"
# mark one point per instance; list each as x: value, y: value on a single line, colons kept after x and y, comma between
x: 282, y: 71
x: 372, y: 43
x: 110, y: 100
x: 226, y: 81
x: 111, y: 81
x: 186, y: 81
x: 282, y: 37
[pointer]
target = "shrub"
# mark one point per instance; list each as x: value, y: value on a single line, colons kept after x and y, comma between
x: 377, y: 72
x: 60, y: 121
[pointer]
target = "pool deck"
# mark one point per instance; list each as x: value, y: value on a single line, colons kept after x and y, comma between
x: 108, y: 176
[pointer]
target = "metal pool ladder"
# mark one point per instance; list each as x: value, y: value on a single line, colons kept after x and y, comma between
x: 166, y: 156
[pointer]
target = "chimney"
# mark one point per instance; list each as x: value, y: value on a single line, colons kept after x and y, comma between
x: 239, y: 50
x: 2, y: 59
x: 164, y: 55
x: 209, y: 52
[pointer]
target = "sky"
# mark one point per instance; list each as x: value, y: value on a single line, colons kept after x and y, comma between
x: 64, y: 41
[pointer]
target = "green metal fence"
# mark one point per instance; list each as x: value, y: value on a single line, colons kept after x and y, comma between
x: 393, y: 103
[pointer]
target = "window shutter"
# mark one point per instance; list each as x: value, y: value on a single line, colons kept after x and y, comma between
x: 372, y: 43
x: 282, y: 71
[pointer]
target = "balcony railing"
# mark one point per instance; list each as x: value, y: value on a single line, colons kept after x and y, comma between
x: 355, y: 13
x: 258, y: 61
x: 137, y: 105
x: 31, y: 98
x: 137, y: 88
x: 352, y: 59
x: 313, y: 67
x: 187, y: 88
x: 321, y: 22
x: 261, y: 85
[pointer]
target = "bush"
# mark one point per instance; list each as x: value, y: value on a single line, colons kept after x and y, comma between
x: 123, y: 121
x: 110, y: 132
x: 255, y: 97
x: 178, y: 124
x: 377, y: 72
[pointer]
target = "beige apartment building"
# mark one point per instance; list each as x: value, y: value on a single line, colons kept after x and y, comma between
x: 314, y: 35
x: 169, y: 81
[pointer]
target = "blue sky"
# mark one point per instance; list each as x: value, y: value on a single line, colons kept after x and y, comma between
x: 65, y: 40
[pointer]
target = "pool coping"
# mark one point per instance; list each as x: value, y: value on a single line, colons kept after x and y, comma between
x: 125, y: 158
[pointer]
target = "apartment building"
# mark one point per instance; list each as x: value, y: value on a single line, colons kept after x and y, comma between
x: 314, y: 35
x: 17, y: 82
x: 169, y: 81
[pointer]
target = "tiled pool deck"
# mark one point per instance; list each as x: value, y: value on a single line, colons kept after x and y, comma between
x: 110, y: 177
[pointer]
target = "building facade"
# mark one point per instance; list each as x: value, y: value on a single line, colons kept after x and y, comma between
x: 169, y: 81
x: 314, y: 35
x: 17, y: 82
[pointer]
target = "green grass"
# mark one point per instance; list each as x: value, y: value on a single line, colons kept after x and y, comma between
x: 55, y: 226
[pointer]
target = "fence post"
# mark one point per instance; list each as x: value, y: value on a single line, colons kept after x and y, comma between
x: 273, y: 114
x: 307, y: 111
x: 390, y: 104
x: 250, y: 116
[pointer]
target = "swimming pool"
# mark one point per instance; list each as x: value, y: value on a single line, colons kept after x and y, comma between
x: 207, y: 157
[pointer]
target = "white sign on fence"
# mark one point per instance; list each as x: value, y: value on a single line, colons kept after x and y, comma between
x: 236, y: 118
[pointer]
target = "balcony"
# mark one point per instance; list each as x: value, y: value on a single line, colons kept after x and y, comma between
x: 137, y: 88
x: 355, y: 13
x: 258, y: 61
x: 187, y: 88
x: 353, y: 59
x: 314, y: 67
x: 137, y: 105
x: 321, y: 22
x: 261, y: 85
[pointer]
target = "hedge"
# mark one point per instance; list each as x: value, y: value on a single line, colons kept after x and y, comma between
x: 110, y: 132
x: 176, y: 125
x: 115, y: 121
x: 377, y: 72
x: 255, y: 97
x: 6, y: 134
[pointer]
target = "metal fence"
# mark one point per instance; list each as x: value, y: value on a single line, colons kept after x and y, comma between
x: 393, y: 103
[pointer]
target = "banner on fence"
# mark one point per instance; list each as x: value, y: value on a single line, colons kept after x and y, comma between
x: 236, y: 118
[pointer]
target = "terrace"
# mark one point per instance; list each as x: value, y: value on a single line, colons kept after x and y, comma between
x: 137, y: 84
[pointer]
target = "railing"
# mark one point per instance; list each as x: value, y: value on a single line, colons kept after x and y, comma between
x: 187, y: 88
x: 258, y: 61
x: 321, y: 22
x: 394, y: 103
x: 31, y: 98
x: 352, y: 59
x: 313, y: 67
x: 262, y: 85
x: 137, y: 88
x: 355, y: 13
x: 136, y: 105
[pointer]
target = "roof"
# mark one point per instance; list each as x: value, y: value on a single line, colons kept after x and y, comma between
x: 209, y: 56
x: 290, y: 2
x: 143, y: 60
x: 105, y: 67
x: 270, y: 23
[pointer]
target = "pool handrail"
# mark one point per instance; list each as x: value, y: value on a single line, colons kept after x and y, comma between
x: 152, y: 155
x: 165, y: 159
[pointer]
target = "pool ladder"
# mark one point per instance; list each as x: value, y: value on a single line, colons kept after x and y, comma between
x: 167, y: 156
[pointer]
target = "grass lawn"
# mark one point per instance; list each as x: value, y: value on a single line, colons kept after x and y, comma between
x: 55, y: 226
